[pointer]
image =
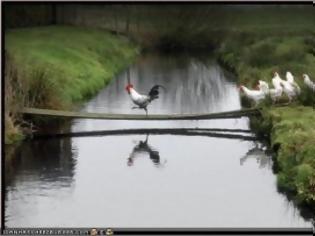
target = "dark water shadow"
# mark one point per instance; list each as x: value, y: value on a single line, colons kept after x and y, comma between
x: 42, y: 160
x: 217, y: 133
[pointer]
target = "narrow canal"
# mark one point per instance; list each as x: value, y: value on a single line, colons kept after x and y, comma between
x: 150, y: 180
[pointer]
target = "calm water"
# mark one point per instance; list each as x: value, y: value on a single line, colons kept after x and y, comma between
x: 150, y: 180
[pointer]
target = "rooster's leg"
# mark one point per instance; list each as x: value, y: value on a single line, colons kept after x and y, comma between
x: 146, y: 111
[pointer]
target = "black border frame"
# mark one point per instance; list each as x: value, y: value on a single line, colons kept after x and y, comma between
x: 141, y: 231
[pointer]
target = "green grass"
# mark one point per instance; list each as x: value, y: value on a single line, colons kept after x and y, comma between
x: 253, y: 52
x: 260, y: 41
x: 290, y: 130
x: 258, y: 59
x: 12, y: 132
x: 293, y: 135
x: 64, y: 65
x: 57, y: 67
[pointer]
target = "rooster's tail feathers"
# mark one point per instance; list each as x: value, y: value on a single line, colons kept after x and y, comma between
x: 154, y: 92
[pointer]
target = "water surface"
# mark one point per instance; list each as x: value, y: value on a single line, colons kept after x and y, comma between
x: 150, y: 180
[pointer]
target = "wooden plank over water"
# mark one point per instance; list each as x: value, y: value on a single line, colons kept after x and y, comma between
x: 106, y: 116
x: 214, y: 133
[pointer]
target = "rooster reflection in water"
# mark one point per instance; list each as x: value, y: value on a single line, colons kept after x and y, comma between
x: 142, y: 148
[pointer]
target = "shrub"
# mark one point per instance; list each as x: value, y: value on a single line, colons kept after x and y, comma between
x: 260, y: 54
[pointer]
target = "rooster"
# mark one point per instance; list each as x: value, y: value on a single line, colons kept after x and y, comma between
x: 141, y: 100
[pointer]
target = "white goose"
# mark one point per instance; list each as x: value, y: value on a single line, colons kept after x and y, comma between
x: 289, y: 77
x: 276, y: 79
x: 290, y: 80
x: 255, y: 95
x: 288, y: 89
x: 274, y: 93
x: 308, y: 82
x: 276, y: 82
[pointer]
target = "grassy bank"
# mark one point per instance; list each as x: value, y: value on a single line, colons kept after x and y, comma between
x: 292, y: 137
x: 58, y: 66
x: 253, y: 56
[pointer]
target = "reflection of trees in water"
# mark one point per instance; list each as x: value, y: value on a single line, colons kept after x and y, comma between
x: 41, y: 160
x: 193, y: 85
x: 36, y: 168
x: 144, y: 148
x: 10, y: 163
x: 259, y: 153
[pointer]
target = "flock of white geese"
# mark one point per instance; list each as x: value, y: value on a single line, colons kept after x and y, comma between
x: 289, y: 87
